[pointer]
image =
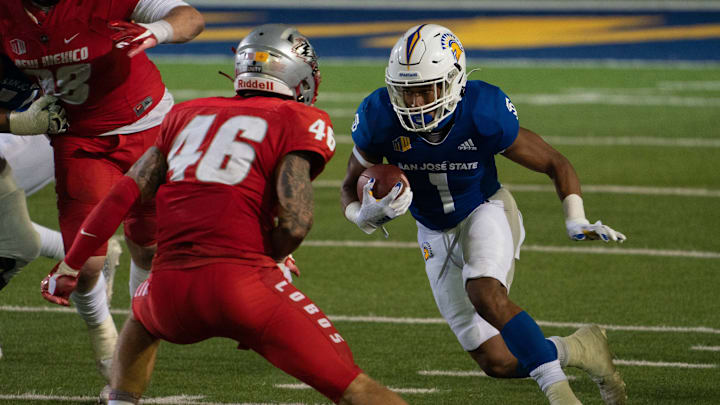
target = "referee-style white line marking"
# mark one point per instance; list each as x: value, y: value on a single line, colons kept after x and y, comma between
x: 706, y: 348
x: 408, y: 320
x: 302, y: 386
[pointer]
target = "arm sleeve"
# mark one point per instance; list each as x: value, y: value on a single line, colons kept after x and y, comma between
x: 148, y: 11
x: 102, y: 222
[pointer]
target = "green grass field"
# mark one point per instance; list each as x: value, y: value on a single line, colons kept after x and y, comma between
x: 646, y: 145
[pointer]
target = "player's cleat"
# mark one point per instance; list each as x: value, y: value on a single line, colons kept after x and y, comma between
x: 112, y: 260
x: 588, y: 350
x: 103, y: 338
x: 560, y: 393
x: 104, y: 397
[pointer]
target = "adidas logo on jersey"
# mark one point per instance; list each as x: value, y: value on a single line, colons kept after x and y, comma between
x: 467, y: 145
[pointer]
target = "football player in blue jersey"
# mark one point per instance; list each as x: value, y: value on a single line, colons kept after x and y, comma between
x: 23, y: 112
x: 444, y: 132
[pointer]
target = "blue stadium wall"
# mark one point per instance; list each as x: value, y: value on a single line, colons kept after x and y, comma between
x: 642, y: 32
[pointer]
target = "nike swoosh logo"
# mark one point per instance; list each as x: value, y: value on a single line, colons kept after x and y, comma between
x: 68, y: 40
x: 82, y: 232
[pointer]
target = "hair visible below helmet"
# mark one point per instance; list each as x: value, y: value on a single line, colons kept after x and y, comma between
x: 276, y: 58
x: 427, y: 56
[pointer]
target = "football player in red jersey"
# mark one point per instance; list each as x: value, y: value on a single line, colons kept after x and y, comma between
x: 89, y: 54
x: 232, y: 180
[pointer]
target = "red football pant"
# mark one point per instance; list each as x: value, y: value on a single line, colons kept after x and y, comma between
x: 255, y: 306
x: 86, y: 169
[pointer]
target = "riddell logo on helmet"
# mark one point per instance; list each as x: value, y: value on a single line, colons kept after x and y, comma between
x: 256, y: 84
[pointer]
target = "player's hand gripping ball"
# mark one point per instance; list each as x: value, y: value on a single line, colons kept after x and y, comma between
x: 385, y: 193
x: 386, y: 177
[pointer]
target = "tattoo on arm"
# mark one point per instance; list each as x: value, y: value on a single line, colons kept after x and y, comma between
x: 295, y: 194
x: 149, y: 172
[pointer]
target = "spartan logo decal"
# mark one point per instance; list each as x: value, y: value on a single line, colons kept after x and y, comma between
x: 305, y: 51
x: 427, y: 251
x: 450, y: 41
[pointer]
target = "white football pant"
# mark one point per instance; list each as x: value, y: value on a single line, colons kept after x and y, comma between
x: 29, y: 168
x: 31, y: 159
x: 485, y: 244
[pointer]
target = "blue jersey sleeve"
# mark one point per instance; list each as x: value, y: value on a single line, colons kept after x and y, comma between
x: 16, y: 91
x: 507, y: 117
x: 364, y: 126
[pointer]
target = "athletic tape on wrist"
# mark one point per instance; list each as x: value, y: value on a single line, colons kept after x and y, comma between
x: 573, y: 207
x: 162, y: 30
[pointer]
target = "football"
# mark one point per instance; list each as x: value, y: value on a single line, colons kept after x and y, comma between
x: 386, y: 176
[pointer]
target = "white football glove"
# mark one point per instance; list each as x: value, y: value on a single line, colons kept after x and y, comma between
x: 579, y: 228
x: 288, y: 267
x: 373, y: 212
x: 44, y: 116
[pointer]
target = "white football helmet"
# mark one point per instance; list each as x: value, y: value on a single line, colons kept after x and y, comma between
x: 428, y: 61
x: 276, y: 58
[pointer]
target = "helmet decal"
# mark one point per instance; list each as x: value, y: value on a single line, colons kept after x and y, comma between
x: 305, y: 51
x: 412, y: 40
x: 448, y: 40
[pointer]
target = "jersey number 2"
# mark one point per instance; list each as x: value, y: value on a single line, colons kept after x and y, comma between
x: 228, y: 158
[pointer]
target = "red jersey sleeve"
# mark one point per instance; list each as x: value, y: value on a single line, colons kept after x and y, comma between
x: 309, y: 129
x: 167, y: 133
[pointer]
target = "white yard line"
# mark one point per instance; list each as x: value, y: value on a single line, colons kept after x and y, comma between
x: 588, y: 188
x: 609, y: 141
x: 706, y: 348
x: 695, y: 85
x: 296, y: 386
x: 614, y: 250
x: 577, y: 96
x: 643, y: 363
x: 422, y: 321
x: 520, y: 63
x: 302, y: 386
x: 414, y: 390
x: 176, y: 400
x: 463, y: 373
x: 453, y: 373
x: 599, y: 98
x: 620, y: 362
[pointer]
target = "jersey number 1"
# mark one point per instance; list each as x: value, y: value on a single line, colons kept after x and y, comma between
x: 440, y: 181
